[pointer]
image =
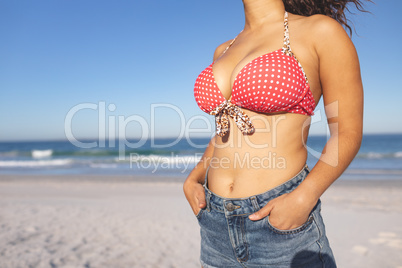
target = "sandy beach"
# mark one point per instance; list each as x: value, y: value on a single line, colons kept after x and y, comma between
x: 124, y: 221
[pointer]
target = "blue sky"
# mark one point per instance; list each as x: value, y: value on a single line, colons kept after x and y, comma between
x: 59, y: 55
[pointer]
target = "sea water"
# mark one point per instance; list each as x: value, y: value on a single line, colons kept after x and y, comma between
x: 380, y: 156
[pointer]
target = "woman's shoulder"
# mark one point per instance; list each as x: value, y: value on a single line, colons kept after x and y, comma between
x: 323, y: 30
x: 219, y: 50
x: 325, y: 24
x: 321, y: 27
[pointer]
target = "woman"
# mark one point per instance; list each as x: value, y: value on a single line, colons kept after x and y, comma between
x: 256, y: 200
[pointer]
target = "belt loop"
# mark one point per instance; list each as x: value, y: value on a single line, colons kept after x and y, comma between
x: 254, y: 202
x: 306, y: 166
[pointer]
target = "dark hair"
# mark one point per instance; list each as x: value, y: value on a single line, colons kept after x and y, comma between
x: 332, y: 8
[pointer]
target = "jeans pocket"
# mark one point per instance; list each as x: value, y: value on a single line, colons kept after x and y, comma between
x: 304, y: 226
x: 291, y: 231
x: 199, y: 214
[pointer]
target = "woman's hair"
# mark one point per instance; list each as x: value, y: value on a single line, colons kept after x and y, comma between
x: 332, y: 8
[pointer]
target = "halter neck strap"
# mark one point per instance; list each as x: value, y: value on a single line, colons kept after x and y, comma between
x: 286, y: 42
x: 230, y: 44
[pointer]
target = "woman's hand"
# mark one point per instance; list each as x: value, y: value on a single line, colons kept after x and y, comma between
x: 287, y: 211
x: 195, y: 194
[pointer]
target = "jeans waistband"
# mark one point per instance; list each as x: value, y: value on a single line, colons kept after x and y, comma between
x: 248, y: 205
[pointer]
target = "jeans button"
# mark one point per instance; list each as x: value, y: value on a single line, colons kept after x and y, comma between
x: 230, y: 207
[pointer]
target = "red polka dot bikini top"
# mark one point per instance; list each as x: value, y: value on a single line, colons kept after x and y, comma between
x: 273, y: 82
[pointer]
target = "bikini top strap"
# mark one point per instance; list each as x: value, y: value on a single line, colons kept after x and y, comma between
x: 230, y: 44
x: 286, y: 42
x: 286, y: 49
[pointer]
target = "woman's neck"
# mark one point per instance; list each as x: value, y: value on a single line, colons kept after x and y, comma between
x: 260, y: 12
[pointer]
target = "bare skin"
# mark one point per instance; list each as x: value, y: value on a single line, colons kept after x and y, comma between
x: 237, y: 165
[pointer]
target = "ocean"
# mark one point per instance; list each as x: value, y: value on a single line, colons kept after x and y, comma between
x: 380, y: 156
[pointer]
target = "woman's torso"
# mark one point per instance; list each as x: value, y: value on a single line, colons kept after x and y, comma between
x: 245, y: 165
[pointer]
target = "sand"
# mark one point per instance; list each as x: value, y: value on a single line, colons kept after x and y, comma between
x: 106, y: 221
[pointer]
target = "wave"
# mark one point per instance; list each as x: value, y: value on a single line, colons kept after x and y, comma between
x: 147, y: 153
x: 36, y: 163
x: 110, y: 162
x: 103, y: 159
x: 41, y: 153
x: 36, y: 153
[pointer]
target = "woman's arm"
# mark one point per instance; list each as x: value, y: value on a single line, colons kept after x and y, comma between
x: 342, y: 89
x: 192, y: 186
x: 343, y: 100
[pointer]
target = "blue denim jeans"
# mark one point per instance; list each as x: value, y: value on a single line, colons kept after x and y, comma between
x: 230, y: 239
